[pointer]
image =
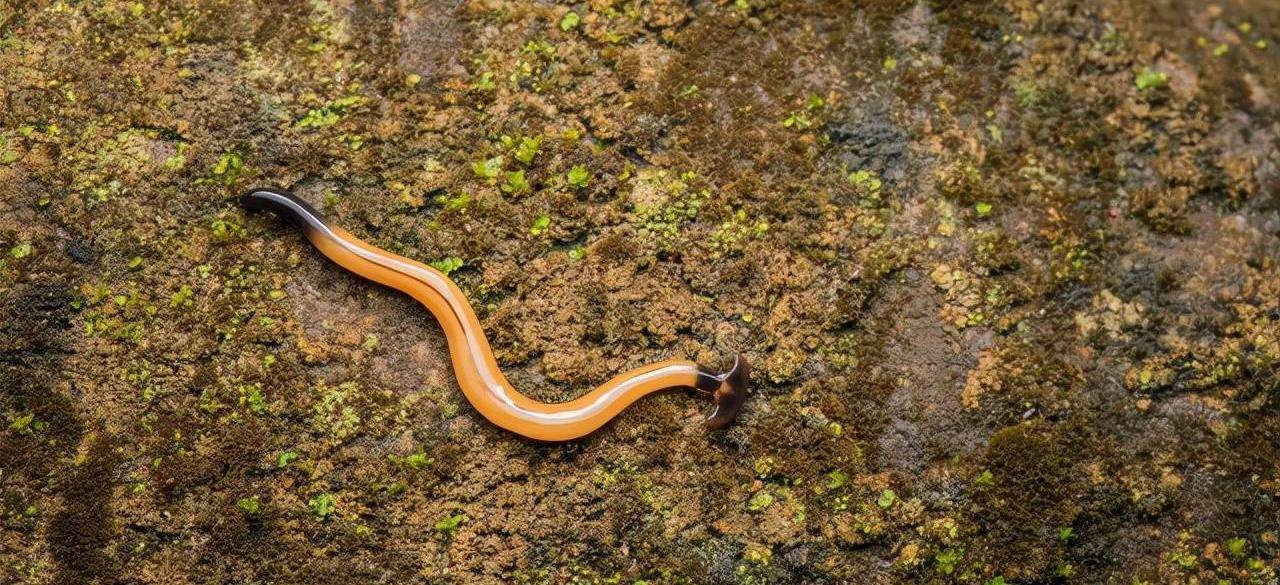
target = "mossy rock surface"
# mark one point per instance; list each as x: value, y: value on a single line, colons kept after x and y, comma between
x: 1007, y: 272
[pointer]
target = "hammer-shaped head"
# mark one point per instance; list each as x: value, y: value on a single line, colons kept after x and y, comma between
x: 728, y: 391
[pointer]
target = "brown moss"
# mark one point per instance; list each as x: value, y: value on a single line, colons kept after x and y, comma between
x: 1034, y: 490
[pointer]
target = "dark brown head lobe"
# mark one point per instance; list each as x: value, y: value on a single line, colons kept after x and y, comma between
x: 728, y: 391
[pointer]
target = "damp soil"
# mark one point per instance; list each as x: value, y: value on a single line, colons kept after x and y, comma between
x: 1007, y: 274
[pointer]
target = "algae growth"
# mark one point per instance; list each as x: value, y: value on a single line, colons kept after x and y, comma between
x: 1007, y: 272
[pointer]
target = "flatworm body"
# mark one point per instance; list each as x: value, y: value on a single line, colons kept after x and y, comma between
x: 473, y: 362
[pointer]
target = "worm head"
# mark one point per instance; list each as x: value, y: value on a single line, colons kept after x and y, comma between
x: 728, y: 391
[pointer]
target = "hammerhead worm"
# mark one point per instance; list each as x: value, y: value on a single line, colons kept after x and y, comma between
x: 473, y: 363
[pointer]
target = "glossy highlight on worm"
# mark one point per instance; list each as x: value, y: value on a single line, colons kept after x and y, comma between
x: 473, y: 362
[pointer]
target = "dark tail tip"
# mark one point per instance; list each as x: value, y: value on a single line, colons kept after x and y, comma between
x: 259, y: 198
x: 730, y: 393
x: 284, y: 204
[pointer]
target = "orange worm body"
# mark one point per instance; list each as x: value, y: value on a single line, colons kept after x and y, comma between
x: 473, y: 363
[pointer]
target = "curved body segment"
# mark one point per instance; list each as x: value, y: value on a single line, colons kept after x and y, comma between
x: 472, y: 359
